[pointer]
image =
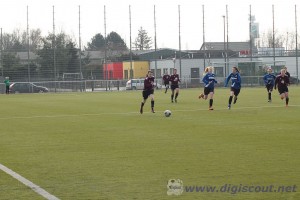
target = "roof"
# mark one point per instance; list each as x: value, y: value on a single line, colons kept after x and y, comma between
x: 219, y: 46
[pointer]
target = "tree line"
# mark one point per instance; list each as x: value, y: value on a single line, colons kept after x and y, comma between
x: 59, y: 53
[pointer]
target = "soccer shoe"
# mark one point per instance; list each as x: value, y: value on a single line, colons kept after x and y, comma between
x: 269, y: 100
x: 229, y: 106
x: 235, y: 99
x: 210, y: 108
x: 152, y: 110
x: 172, y: 101
x: 201, y: 96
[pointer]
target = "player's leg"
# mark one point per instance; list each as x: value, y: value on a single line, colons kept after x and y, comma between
x: 152, y: 102
x: 145, y: 96
x: 172, y: 95
x: 167, y: 87
x: 176, y: 94
x: 206, y: 93
x: 270, y: 89
x: 287, y: 99
x: 236, y: 93
x: 230, y: 98
x: 211, y: 100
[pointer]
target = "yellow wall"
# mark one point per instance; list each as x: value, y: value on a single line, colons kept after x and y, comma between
x: 140, y: 68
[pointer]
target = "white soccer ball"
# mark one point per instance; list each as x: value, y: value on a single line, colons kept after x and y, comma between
x: 167, y: 113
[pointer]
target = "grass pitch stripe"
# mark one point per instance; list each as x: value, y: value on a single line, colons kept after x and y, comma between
x: 28, y: 183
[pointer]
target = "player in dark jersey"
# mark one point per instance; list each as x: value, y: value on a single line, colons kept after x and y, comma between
x: 281, y: 82
x: 166, y: 80
x: 174, y: 79
x: 235, y: 85
x: 269, y: 80
x: 209, y: 86
x: 148, y: 91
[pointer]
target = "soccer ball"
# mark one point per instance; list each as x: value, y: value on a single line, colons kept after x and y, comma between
x: 167, y: 113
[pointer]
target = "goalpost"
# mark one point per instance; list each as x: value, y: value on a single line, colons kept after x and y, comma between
x: 72, y: 76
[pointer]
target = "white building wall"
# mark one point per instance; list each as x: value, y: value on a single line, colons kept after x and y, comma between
x: 187, y: 64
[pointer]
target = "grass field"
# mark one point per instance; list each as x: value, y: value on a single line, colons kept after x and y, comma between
x: 97, y: 145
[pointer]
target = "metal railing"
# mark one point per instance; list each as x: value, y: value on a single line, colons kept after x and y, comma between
x: 120, y: 85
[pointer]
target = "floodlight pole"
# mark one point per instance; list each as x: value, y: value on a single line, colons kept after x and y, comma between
x: 54, y: 56
x: 155, y: 45
x: 179, y: 43
x: 273, y: 35
x: 1, y: 54
x: 227, y: 38
x: 130, y: 71
x: 28, y: 55
x: 105, y: 50
x: 225, y: 70
x: 296, y: 44
x: 203, y: 21
x: 80, y: 67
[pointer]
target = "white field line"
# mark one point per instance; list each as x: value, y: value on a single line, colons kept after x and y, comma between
x: 134, y: 113
x: 28, y: 183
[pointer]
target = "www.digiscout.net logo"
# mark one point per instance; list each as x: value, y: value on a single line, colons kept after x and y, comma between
x: 175, y: 187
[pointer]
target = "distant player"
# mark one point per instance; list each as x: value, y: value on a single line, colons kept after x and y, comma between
x: 7, y: 84
x: 235, y: 85
x: 209, y: 86
x: 281, y: 82
x: 174, y: 79
x: 166, y: 80
x: 148, y: 91
x: 269, y: 80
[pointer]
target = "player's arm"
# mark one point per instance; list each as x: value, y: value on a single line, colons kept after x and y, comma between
x: 227, y: 80
x: 265, y: 80
x: 204, y: 79
x: 276, y: 82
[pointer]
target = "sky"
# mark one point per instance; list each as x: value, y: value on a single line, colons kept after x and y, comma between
x: 13, y: 15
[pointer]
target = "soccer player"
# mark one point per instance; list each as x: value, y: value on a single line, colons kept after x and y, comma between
x: 235, y: 85
x: 269, y: 80
x: 148, y: 91
x: 166, y: 79
x: 174, y: 79
x: 7, y: 84
x: 282, y: 81
x: 209, y: 86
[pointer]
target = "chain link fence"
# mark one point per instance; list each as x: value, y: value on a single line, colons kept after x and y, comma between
x: 121, y: 85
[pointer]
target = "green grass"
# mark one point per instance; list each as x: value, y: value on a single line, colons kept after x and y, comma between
x: 97, y: 145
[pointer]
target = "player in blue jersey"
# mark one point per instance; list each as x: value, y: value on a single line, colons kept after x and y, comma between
x: 269, y: 80
x: 209, y: 86
x: 235, y: 85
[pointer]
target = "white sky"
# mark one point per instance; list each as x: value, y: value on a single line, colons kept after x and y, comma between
x: 13, y: 15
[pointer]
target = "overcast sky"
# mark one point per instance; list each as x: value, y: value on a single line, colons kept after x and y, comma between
x: 13, y: 15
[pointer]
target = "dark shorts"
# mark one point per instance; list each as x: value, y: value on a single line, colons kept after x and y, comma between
x: 282, y: 90
x: 147, y: 93
x: 269, y: 87
x: 173, y: 87
x: 235, y: 91
x: 166, y: 83
x: 208, y: 90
